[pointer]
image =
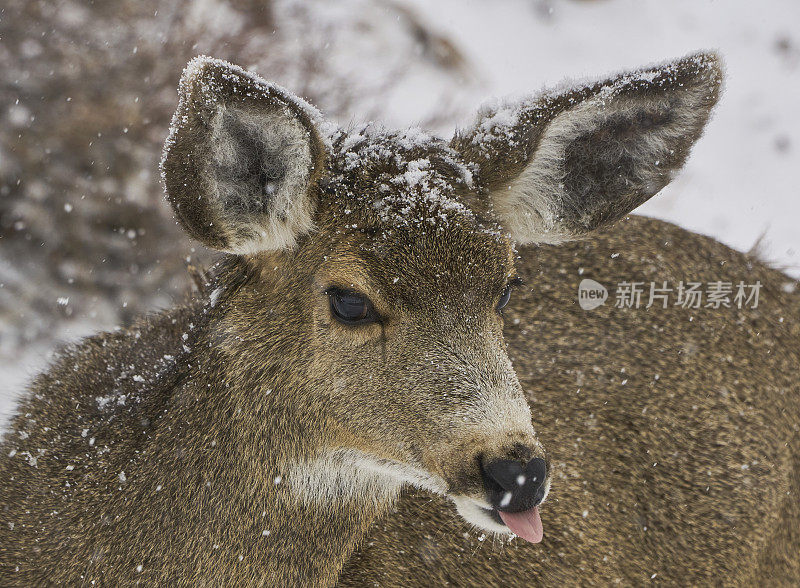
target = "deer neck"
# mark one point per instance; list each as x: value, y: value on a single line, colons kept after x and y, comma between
x: 316, y: 504
x: 330, y: 500
x: 293, y: 501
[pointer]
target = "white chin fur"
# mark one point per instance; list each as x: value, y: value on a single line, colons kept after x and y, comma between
x: 352, y: 474
x: 474, y: 514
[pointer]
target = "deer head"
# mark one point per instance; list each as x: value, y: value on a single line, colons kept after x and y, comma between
x: 377, y: 265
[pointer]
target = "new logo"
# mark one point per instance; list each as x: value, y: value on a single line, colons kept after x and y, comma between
x: 591, y: 294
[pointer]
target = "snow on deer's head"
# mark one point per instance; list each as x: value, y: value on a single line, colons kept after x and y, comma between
x: 379, y: 264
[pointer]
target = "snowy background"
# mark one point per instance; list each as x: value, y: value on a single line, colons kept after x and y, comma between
x: 86, y: 241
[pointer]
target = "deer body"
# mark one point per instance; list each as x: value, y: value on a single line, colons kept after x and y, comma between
x: 350, y: 344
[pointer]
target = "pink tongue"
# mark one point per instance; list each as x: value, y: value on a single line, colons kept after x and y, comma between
x: 527, y: 524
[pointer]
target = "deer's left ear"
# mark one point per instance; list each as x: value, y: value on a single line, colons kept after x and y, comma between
x: 560, y: 165
x: 242, y: 160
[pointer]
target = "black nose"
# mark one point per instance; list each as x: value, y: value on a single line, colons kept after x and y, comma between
x: 512, y: 486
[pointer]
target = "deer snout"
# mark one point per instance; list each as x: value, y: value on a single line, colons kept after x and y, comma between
x: 514, y: 486
x: 506, y: 485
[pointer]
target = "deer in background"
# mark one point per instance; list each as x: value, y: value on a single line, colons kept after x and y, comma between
x: 350, y: 345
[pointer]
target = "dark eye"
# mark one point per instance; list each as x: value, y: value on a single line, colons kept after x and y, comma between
x: 504, y: 298
x: 350, y: 308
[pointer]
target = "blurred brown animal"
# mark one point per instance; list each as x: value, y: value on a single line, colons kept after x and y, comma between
x: 351, y: 343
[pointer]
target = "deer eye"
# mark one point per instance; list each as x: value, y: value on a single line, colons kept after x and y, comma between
x: 350, y: 308
x: 504, y: 298
x: 506, y: 295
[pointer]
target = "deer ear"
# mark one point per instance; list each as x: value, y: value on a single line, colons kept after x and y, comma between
x: 560, y: 165
x: 242, y: 159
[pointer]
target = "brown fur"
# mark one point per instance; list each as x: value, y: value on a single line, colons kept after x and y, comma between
x: 688, y: 471
x: 247, y: 437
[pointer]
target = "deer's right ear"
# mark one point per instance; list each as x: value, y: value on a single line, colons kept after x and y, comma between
x: 563, y: 164
x: 242, y: 159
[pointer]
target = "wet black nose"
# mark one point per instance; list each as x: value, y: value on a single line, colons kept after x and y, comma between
x: 512, y: 486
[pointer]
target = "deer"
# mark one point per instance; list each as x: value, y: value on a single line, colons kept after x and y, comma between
x: 350, y: 398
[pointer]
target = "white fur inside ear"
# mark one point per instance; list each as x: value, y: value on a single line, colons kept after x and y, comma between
x: 259, y: 176
x: 530, y: 205
x: 534, y: 203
